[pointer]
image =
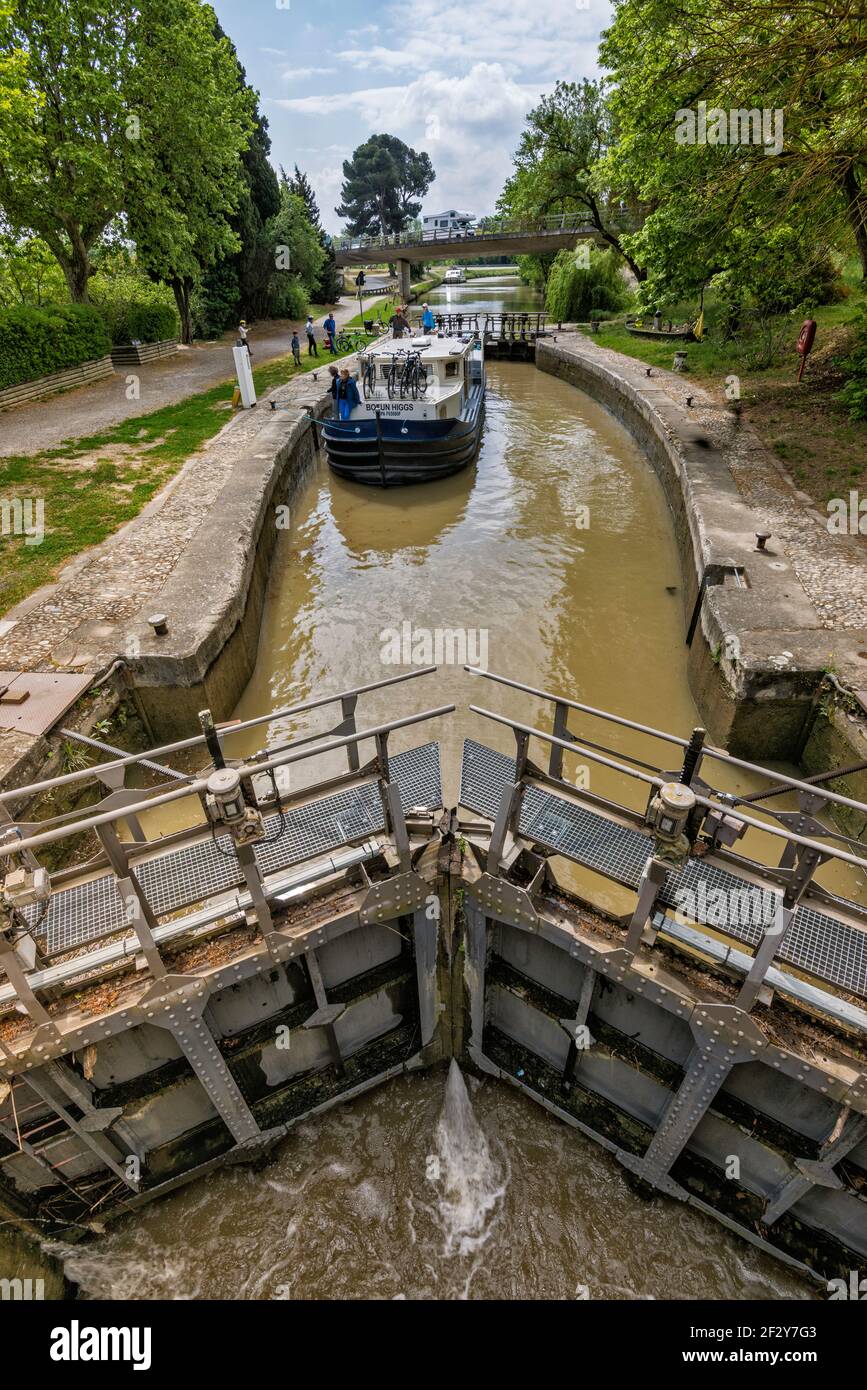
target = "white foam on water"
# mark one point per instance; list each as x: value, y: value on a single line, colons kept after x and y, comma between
x: 472, y: 1185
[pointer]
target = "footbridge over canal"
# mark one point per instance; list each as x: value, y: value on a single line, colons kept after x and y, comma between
x: 496, y: 236
x: 325, y: 923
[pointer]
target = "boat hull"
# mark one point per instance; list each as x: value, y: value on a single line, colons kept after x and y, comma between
x: 660, y: 335
x: 391, y: 458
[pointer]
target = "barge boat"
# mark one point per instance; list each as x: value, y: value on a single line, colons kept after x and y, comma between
x: 420, y: 411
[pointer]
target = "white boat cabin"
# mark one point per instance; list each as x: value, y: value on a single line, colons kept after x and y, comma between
x: 421, y: 378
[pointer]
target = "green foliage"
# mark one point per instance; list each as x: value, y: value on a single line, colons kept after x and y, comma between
x: 249, y: 268
x: 854, y: 394
x: 182, y: 222
x: 572, y: 292
x: 715, y: 204
x: 299, y: 253
x: 383, y: 184
x: 560, y: 167
x: 326, y: 290
x: 64, y: 81
x: 29, y: 274
x: 133, y: 307
x: 289, y: 299
x: 36, y: 342
x: 533, y: 270
x: 215, y: 302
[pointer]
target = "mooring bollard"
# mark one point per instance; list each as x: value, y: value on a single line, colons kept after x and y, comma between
x: 679, y: 362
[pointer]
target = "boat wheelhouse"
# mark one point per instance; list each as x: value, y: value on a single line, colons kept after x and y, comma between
x: 420, y: 411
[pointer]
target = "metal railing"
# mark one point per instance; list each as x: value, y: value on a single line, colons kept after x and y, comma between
x: 713, y: 826
x: 489, y: 229
x: 139, y: 931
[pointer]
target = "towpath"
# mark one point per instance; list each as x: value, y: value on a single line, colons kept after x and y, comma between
x: 38, y: 425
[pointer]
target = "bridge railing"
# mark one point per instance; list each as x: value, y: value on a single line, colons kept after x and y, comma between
x: 713, y: 822
x: 488, y: 229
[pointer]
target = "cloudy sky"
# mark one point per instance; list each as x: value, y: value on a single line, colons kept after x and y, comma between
x: 453, y: 77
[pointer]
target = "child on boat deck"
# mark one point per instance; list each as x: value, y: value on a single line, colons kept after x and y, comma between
x: 296, y: 347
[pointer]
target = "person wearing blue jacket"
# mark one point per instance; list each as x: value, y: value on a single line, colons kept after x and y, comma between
x: 428, y: 322
x: 347, y: 394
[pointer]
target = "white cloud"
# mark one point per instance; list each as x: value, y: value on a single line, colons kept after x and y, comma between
x: 302, y: 74
x: 458, y: 82
x: 456, y: 119
x: 555, y: 37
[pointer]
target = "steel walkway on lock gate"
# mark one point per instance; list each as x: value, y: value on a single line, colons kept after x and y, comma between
x: 178, y: 878
x: 815, y: 943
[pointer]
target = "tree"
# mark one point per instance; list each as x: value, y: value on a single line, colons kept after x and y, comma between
x: 240, y: 284
x: 575, y: 292
x: 182, y: 206
x: 560, y: 167
x: 383, y: 184
x: 804, y: 64
x: 29, y: 273
x: 120, y: 107
x: 327, y: 288
x: 300, y: 256
x: 65, y: 149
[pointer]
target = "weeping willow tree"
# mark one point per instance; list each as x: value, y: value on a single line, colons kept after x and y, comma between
x: 574, y: 292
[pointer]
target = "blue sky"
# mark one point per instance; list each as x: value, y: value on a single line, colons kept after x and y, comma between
x: 453, y: 77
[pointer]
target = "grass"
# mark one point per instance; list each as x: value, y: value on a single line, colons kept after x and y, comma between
x: 382, y: 312
x: 94, y: 485
x: 808, y: 431
x: 479, y: 272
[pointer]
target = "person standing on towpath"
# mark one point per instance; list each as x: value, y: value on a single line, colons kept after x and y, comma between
x: 312, y: 349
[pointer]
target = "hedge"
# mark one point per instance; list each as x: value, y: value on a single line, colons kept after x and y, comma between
x: 37, y: 342
x: 132, y: 321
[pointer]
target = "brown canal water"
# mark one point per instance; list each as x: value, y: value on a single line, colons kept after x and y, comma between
x: 427, y: 1188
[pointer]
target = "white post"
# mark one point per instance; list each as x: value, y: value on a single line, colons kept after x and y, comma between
x: 245, y: 376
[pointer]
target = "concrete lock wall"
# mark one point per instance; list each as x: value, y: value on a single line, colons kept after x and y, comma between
x: 215, y: 596
x: 759, y: 703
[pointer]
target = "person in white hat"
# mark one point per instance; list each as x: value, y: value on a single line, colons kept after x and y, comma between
x: 428, y: 322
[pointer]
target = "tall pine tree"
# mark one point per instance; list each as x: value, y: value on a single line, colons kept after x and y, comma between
x: 327, y: 289
x: 239, y: 285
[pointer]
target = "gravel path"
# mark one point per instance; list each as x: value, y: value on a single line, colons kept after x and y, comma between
x: 39, y: 425
x: 832, y: 569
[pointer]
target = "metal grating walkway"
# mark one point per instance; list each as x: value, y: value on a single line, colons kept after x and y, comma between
x: 89, y: 911
x: 815, y: 943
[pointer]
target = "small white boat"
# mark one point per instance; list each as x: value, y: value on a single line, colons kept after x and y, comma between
x: 455, y: 275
